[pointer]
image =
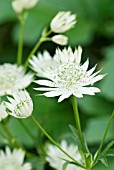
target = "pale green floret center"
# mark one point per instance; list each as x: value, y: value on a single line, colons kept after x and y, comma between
x: 70, y: 74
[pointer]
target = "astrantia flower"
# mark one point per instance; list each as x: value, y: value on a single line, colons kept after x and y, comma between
x: 3, y: 113
x: 12, y: 78
x: 42, y: 63
x: 21, y: 105
x: 63, y: 21
x: 13, y: 160
x: 70, y: 77
x: 60, y: 39
x: 55, y: 156
x: 20, y: 5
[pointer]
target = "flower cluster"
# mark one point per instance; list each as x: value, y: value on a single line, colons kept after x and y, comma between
x: 56, y: 158
x: 70, y: 77
x: 13, y: 160
x: 20, y: 5
x: 13, y: 78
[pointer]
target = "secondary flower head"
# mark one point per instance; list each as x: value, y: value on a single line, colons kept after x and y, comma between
x: 13, y: 78
x: 63, y: 21
x: 20, y: 5
x: 21, y: 105
x: 13, y: 160
x: 60, y: 39
x: 42, y: 63
x: 55, y: 156
x: 70, y: 77
x: 3, y: 113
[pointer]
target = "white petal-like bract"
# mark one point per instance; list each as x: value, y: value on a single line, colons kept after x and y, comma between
x: 56, y: 158
x: 63, y: 21
x: 70, y: 77
x: 20, y: 105
x: 3, y: 113
x: 13, y: 78
x: 13, y: 160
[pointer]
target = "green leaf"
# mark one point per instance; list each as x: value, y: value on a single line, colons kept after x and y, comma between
x: 104, y: 161
x: 65, y: 165
x: 104, y: 152
x: 89, y: 160
x: 110, y: 152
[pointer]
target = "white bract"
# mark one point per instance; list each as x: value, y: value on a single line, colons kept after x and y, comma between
x: 13, y: 160
x: 13, y: 78
x: 20, y: 5
x: 55, y: 156
x: 42, y: 63
x: 21, y: 105
x: 70, y: 77
x: 60, y: 39
x: 63, y: 21
x: 3, y: 113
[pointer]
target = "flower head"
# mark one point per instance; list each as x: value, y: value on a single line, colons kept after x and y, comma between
x: 13, y: 78
x: 60, y: 39
x: 3, y: 113
x: 42, y: 63
x: 21, y: 105
x: 63, y: 21
x: 20, y: 5
x: 55, y: 156
x: 13, y: 160
x: 70, y: 77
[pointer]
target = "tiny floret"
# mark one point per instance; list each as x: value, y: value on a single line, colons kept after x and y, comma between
x: 20, y: 5
x: 13, y: 78
x: 60, y: 39
x: 56, y: 158
x: 70, y: 77
x: 3, y: 113
x: 20, y: 105
x: 63, y: 21
x: 13, y: 160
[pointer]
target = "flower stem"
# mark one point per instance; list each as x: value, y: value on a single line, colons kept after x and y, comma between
x: 39, y: 42
x: 20, y: 43
x: 77, y: 119
x: 53, y: 141
x: 103, y: 139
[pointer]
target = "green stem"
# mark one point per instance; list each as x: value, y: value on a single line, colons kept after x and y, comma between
x: 4, y: 136
x: 32, y: 52
x: 20, y: 43
x: 77, y: 119
x: 103, y: 139
x: 40, y: 41
x: 53, y: 141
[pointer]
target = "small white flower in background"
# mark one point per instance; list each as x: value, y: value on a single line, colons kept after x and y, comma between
x: 3, y: 113
x: 63, y: 21
x: 13, y: 160
x: 20, y: 5
x: 70, y: 77
x: 21, y: 105
x: 42, y: 63
x: 55, y: 156
x: 60, y: 39
x: 13, y: 78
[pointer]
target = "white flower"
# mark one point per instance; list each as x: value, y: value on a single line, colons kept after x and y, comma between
x: 12, y: 78
x: 60, y: 39
x: 70, y: 77
x: 63, y: 21
x: 21, y: 105
x: 20, y: 5
x: 3, y: 113
x: 42, y: 63
x: 55, y: 156
x: 13, y: 160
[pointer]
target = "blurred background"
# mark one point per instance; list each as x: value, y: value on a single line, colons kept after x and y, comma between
x: 94, y: 31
